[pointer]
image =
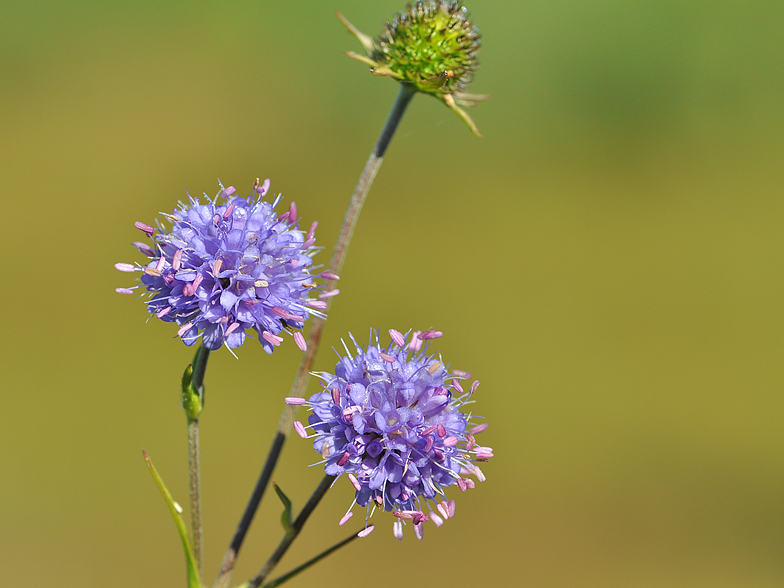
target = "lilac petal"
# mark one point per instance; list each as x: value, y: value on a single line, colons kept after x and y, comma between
x: 228, y: 299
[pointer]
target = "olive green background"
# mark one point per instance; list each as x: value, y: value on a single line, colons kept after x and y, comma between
x: 607, y: 260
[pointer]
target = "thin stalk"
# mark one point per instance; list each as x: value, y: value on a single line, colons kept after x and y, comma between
x: 296, y: 527
x: 253, y: 504
x: 285, y: 577
x: 404, y: 96
x: 193, y: 407
x: 194, y: 485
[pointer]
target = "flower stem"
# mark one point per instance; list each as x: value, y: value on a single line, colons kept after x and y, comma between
x: 372, y: 166
x: 296, y: 527
x: 285, y: 577
x: 193, y: 475
x: 253, y: 504
x: 194, y: 483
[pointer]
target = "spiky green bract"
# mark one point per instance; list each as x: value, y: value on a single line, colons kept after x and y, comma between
x: 432, y: 46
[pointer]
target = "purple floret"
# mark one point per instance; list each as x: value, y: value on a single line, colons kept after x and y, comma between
x: 391, y: 419
x: 225, y: 268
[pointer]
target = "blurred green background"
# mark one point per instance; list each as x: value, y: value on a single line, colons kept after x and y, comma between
x: 608, y: 261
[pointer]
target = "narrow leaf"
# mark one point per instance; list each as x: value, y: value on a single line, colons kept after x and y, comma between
x: 285, y: 517
x: 190, y: 561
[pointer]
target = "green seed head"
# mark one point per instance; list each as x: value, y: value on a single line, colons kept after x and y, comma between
x: 432, y: 46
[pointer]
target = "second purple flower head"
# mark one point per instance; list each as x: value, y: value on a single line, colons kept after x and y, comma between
x: 391, y: 419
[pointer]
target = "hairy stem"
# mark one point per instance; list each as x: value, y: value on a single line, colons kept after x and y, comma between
x: 372, y: 166
x: 193, y: 406
x: 193, y: 476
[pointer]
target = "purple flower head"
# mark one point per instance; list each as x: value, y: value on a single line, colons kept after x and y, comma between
x: 224, y: 268
x: 390, y: 418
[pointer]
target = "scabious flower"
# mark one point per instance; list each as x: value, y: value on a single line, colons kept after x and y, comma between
x: 391, y: 419
x: 432, y: 46
x: 228, y: 267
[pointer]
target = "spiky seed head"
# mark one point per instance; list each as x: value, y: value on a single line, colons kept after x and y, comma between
x: 432, y: 46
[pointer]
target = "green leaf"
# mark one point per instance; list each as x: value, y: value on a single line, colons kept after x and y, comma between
x: 190, y: 561
x: 191, y: 400
x: 285, y: 517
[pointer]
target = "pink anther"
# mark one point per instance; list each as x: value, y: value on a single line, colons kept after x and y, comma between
x: 144, y: 228
x: 397, y: 337
x: 300, y: 429
x: 177, y: 260
x: 299, y: 340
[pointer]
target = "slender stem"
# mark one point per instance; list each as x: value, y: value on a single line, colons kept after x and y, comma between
x: 296, y: 527
x: 193, y: 471
x: 372, y: 166
x: 253, y: 504
x: 285, y: 577
x: 196, y: 386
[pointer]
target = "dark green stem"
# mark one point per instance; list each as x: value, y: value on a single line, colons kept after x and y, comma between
x: 280, y: 580
x: 296, y: 527
x: 404, y: 96
x: 253, y: 504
